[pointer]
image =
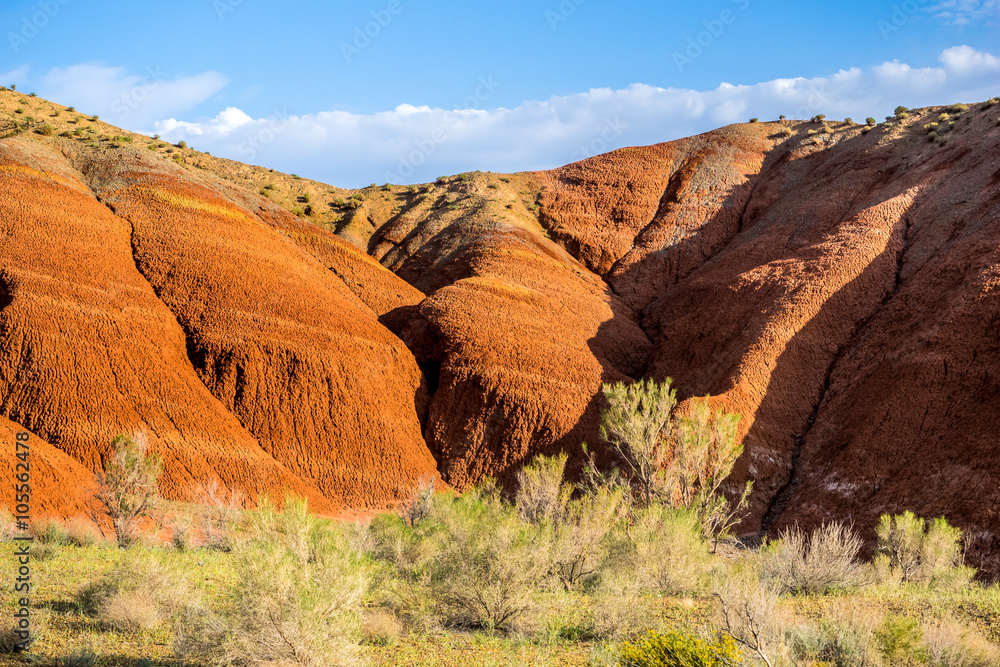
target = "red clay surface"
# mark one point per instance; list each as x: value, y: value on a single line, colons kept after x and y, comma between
x: 838, y: 290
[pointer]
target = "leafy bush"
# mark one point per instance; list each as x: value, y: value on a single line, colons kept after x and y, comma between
x: 70, y: 108
x: 754, y: 120
x: 678, y: 460
x: 843, y: 637
x: 921, y: 551
x: 870, y: 121
x: 95, y: 118
x: 900, y: 640
x: 541, y: 494
x: 296, y: 598
x: 471, y: 563
x: 128, y: 487
x: 958, y: 108
x: 678, y: 649
x: 578, y: 540
x: 818, y: 118
x: 182, y: 144
x: 667, y: 551
x: 826, y: 561
x: 848, y: 121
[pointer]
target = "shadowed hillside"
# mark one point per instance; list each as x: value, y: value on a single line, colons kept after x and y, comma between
x: 836, y: 285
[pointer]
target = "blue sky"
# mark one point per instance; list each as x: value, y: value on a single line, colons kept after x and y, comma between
x: 395, y: 90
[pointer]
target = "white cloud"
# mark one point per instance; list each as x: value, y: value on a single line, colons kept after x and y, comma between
x: 967, y: 60
x: 418, y: 143
x: 965, y: 12
x: 133, y: 101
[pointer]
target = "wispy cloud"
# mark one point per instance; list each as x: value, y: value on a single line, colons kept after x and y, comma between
x: 132, y: 100
x: 417, y: 143
x: 965, y: 12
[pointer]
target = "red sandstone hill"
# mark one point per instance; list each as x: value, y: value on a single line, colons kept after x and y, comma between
x: 837, y: 286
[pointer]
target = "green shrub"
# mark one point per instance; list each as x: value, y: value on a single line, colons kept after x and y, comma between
x: 754, y: 120
x: 825, y: 561
x: 666, y: 550
x: 70, y: 108
x: 304, y: 198
x: 128, y: 487
x: 578, y: 542
x: 296, y: 598
x: 843, y: 637
x: 818, y: 118
x: 678, y: 460
x: 49, y: 531
x: 32, y: 95
x: 81, y: 657
x: 870, y: 122
x: 541, y: 494
x: 812, y: 132
x: 921, y: 551
x: 958, y: 108
x: 848, y: 121
x: 95, y: 118
x: 144, y: 590
x: 19, y: 110
x: 678, y: 649
x: 900, y: 641
x: 471, y: 563
x: 297, y: 211
x: 182, y: 144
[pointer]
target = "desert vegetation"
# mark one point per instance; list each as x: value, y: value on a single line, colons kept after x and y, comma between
x: 633, y: 565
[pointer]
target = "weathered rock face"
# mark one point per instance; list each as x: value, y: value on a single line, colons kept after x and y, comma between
x: 186, y: 316
x: 838, y: 290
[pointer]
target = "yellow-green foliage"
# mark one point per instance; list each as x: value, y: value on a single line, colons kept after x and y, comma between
x: 900, y: 641
x: 677, y: 649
